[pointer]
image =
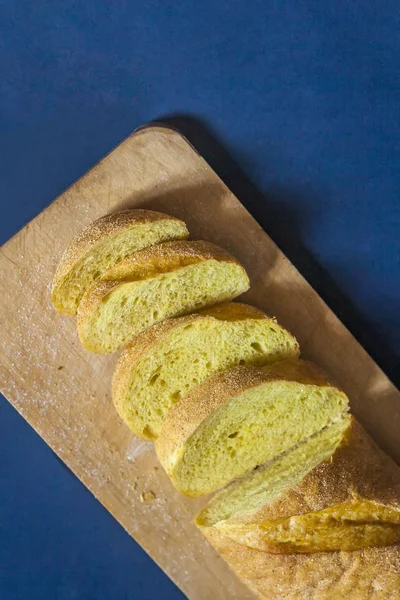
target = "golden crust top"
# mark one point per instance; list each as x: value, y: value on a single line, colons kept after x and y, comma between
x: 165, y: 257
x: 147, y: 263
x: 140, y: 345
x: 227, y: 311
x: 109, y: 225
x: 368, y: 574
x: 358, y: 469
x: 185, y: 417
x: 233, y: 311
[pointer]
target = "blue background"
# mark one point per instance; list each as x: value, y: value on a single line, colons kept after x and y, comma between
x: 295, y: 104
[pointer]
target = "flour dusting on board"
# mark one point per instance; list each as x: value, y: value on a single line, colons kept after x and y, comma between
x: 136, y: 448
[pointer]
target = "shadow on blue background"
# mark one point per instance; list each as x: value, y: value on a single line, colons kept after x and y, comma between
x: 284, y: 214
x: 295, y: 104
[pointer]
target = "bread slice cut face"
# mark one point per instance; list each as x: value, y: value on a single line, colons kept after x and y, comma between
x: 167, y: 280
x: 337, y: 491
x: 104, y: 243
x: 241, y: 418
x: 168, y: 360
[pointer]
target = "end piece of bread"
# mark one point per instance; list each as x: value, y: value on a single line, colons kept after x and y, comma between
x: 286, y: 528
x: 337, y: 491
x: 368, y: 574
x: 102, y: 244
x: 168, y: 360
x: 242, y: 418
x: 167, y: 280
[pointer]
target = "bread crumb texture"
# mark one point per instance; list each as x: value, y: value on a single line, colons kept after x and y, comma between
x: 208, y: 438
x: 170, y: 359
x: 104, y: 243
x: 163, y: 281
x: 313, y: 523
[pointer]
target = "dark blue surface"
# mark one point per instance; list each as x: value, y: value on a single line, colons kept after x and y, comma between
x: 300, y: 97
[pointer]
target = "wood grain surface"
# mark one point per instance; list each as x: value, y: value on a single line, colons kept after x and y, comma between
x: 63, y: 391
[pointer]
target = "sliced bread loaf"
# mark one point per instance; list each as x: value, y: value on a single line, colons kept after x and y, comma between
x: 102, y: 244
x: 242, y: 418
x: 163, y: 281
x: 322, y: 521
x: 168, y: 360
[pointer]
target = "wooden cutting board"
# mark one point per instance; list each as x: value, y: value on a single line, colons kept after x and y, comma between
x: 63, y: 391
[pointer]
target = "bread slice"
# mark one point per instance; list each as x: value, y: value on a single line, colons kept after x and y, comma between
x: 167, y: 280
x: 304, y: 502
x: 102, y: 244
x: 168, y: 360
x: 242, y: 418
x: 322, y: 521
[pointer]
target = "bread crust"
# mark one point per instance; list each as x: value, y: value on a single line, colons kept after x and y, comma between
x: 234, y: 311
x: 145, y: 341
x: 147, y: 263
x: 368, y: 574
x: 158, y: 332
x: 140, y: 346
x: 358, y: 469
x: 107, y: 226
x: 186, y: 415
x: 165, y: 257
